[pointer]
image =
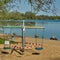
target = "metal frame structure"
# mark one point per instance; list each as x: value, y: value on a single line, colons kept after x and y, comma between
x: 22, y: 28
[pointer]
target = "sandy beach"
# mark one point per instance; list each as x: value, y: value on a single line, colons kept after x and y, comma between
x: 50, y: 51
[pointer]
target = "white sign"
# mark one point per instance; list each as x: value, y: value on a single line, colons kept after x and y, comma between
x: 6, y: 42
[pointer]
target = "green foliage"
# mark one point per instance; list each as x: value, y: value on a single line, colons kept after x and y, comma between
x: 12, y: 42
x: 5, y: 15
x: 36, y: 5
x: 30, y: 15
x: 15, y: 15
x: 3, y: 4
x: 2, y: 41
x: 45, y: 17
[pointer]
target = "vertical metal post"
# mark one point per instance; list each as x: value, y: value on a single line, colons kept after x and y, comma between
x: 23, y: 41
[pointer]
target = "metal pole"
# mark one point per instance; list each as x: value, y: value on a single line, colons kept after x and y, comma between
x: 23, y: 41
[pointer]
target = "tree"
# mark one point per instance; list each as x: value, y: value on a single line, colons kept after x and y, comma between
x: 43, y: 5
x: 4, y: 3
x: 3, y: 10
x: 36, y: 5
x: 15, y: 15
x: 30, y: 15
x: 3, y: 15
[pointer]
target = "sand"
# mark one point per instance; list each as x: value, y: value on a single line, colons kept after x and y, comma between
x: 50, y: 51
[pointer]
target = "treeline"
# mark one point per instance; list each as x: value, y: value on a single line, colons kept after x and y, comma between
x: 5, y: 15
x: 44, y: 17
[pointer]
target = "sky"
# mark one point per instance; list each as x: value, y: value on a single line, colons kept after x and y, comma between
x: 57, y: 4
x: 24, y: 7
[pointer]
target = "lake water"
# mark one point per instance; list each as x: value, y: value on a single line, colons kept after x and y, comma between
x: 52, y: 28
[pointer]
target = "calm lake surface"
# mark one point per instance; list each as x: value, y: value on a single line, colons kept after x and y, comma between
x: 52, y: 28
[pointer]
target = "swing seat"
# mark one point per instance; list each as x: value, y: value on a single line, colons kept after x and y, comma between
x: 38, y: 48
x: 6, y: 48
x: 35, y: 53
x: 4, y: 52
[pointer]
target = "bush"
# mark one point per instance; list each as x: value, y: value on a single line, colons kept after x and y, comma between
x: 2, y: 41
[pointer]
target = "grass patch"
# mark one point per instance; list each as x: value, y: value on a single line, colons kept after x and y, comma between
x: 12, y: 42
x: 2, y: 41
